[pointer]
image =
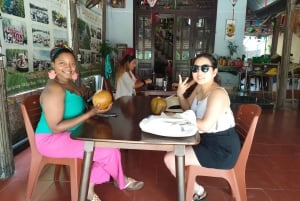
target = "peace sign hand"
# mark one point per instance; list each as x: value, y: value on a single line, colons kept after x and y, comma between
x: 182, y: 86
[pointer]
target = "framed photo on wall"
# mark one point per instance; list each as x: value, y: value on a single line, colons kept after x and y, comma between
x: 117, y: 3
x: 230, y: 29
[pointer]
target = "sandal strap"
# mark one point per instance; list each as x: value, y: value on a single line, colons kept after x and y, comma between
x: 95, y: 198
x: 197, y: 197
x: 132, y: 184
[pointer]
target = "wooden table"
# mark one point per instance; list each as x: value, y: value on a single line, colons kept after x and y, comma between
x: 123, y: 132
x: 157, y: 93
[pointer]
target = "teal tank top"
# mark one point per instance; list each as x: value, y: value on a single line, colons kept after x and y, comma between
x: 74, y: 106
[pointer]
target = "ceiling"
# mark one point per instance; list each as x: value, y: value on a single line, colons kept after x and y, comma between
x: 265, y: 8
x: 183, y: 4
x: 255, y: 5
x: 259, y: 8
x: 208, y: 4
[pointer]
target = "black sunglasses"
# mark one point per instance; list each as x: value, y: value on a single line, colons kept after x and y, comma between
x: 204, y: 68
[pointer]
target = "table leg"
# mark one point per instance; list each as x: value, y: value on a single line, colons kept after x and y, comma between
x: 86, y: 169
x: 247, y: 82
x: 180, y: 170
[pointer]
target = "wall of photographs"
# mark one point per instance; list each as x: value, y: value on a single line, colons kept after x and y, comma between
x: 89, y: 33
x: 30, y: 28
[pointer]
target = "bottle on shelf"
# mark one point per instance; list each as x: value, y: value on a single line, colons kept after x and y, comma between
x: 153, y: 78
x: 165, y: 83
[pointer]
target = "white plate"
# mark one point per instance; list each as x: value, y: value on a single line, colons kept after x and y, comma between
x: 174, y: 110
x: 181, y: 134
x: 174, y: 120
x: 168, y: 127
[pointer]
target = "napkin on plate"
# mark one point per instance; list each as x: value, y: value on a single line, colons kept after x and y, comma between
x: 177, y: 125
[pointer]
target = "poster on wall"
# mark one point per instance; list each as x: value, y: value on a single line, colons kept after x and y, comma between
x: 41, y: 60
x: 60, y: 37
x: 41, y: 37
x: 32, y: 34
x: 29, y: 29
x: 13, y: 7
x: 230, y: 29
x: 17, y: 59
x: 59, y: 19
x: 14, y: 31
x: 15, y: 39
x: 90, y: 33
x: 39, y: 14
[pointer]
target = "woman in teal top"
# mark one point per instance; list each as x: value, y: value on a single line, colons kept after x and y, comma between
x: 64, y: 110
x: 74, y: 106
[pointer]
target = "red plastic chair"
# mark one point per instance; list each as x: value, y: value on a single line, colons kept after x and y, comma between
x: 31, y: 112
x: 246, y: 120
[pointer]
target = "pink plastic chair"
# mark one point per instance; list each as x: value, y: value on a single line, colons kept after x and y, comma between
x: 246, y: 120
x: 31, y: 112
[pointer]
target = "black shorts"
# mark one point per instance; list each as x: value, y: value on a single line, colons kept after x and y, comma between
x: 218, y: 150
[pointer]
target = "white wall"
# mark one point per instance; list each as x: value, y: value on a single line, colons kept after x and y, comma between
x: 295, y: 50
x: 224, y: 12
x: 119, y: 24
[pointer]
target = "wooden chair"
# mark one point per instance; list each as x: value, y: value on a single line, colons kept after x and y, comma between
x: 31, y: 112
x: 247, y: 117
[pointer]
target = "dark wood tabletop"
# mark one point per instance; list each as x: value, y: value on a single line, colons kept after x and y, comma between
x: 124, y: 127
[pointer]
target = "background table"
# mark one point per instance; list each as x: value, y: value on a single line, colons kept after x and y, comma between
x: 157, y: 93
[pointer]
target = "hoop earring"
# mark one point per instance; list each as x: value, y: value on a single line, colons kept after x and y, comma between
x: 51, y: 74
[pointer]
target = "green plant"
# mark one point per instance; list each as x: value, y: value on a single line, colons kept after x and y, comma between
x: 232, y: 48
x: 106, y: 49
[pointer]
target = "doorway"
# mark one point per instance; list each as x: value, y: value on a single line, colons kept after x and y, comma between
x: 167, y: 39
x: 163, y: 45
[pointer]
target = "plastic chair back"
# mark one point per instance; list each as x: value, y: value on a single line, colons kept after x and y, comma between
x: 247, y: 116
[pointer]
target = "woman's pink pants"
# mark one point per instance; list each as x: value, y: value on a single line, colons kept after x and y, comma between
x: 106, y: 161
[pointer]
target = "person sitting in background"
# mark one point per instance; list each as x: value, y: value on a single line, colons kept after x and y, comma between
x: 63, y: 111
x: 126, y: 81
x: 220, y: 145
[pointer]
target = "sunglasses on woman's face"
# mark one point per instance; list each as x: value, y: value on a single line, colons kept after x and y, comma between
x: 204, y: 68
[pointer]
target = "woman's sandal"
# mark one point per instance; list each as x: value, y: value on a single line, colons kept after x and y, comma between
x: 132, y: 184
x: 197, y: 197
x: 95, y: 198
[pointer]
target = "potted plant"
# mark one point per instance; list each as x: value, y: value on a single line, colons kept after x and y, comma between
x: 232, y: 47
x: 107, y: 49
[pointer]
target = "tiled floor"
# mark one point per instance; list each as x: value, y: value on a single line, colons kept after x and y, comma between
x: 273, y: 170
